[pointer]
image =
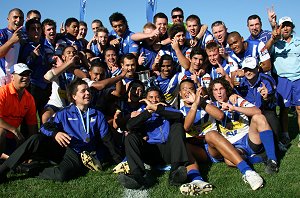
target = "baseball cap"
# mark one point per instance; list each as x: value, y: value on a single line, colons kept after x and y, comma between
x: 249, y: 62
x: 285, y: 19
x: 19, y: 68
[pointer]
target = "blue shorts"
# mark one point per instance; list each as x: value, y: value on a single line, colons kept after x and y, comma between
x: 288, y: 92
x: 242, y: 144
x: 54, y: 108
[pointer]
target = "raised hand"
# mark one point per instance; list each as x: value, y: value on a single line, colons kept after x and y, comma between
x: 226, y: 106
x: 36, y: 50
x: 220, y: 70
x: 16, y: 37
x: 272, y: 16
x: 141, y: 59
x: 62, y: 28
x: 263, y: 90
x: 175, y: 44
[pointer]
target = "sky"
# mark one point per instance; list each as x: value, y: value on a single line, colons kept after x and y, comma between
x: 233, y: 12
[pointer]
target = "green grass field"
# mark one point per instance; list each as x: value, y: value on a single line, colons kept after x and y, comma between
x: 227, y: 181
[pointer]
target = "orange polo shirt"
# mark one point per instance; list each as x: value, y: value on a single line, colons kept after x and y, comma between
x: 13, y: 110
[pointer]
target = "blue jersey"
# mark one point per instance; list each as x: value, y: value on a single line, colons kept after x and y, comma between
x: 86, y: 129
x: 67, y: 40
x: 149, y: 55
x: 204, y: 40
x: 10, y: 58
x: 263, y: 36
x: 254, y: 49
x: 157, y: 127
x: 228, y: 67
x: 202, y: 122
x: 49, y: 50
x: 251, y: 92
x: 127, y: 45
x: 38, y: 64
x: 170, y: 88
x: 185, y: 50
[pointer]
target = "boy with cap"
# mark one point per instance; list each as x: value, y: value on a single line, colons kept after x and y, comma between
x: 16, y: 105
x: 260, y: 90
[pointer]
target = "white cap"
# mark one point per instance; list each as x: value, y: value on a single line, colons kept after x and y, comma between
x: 249, y: 62
x: 19, y: 68
x: 285, y: 19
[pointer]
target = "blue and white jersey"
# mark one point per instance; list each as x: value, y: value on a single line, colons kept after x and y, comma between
x: 254, y: 49
x: 228, y: 50
x: 84, y: 128
x: 67, y: 40
x: 235, y: 125
x: 207, y: 37
x: 228, y: 67
x: 170, y: 88
x: 263, y: 36
x: 10, y: 58
x: 287, y: 58
x: 186, y: 51
x: 203, y: 122
x: 58, y: 97
x: 127, y: 45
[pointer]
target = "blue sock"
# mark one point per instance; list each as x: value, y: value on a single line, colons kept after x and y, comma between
x: 267, y: 140
x: 243, y: 167
x: 194, y: 175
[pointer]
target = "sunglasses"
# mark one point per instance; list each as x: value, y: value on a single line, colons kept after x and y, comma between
x: 175, y: 16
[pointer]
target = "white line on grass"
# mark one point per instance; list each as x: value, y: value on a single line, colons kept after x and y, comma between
x: 129, y: 193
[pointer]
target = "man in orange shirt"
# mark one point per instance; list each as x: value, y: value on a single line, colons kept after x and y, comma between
x: 16, y: 105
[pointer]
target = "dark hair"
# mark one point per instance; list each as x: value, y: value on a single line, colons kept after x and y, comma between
x: 48, y: 22
x: 82, y: 23
x: 157, y: 89
x: 177, y: 9
x: 174, y: 29
x: 129, y: 56
x: 165, y: 57
x: 98, y: 21
x: 187, y: 81
x: 232, y: 34
x: 135, y: 83
x: 159, y: 15
x: 72, y: 88
x: 97, y: 64
x: 64, y: 49
x: 17, y: 10
x: 71, y: 20
x: 198, y: 51
x: 31, y: 22
x: 33, y: 11
x: 212, y: 45
x: 110, y: 48
x: 89, y: 51
x: 193, y: 17
x: 117, y: 16
x: 224, y: 83
x: 254, y: 16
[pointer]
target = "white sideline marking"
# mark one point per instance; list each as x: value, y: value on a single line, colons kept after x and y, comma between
x: 129, y: 193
